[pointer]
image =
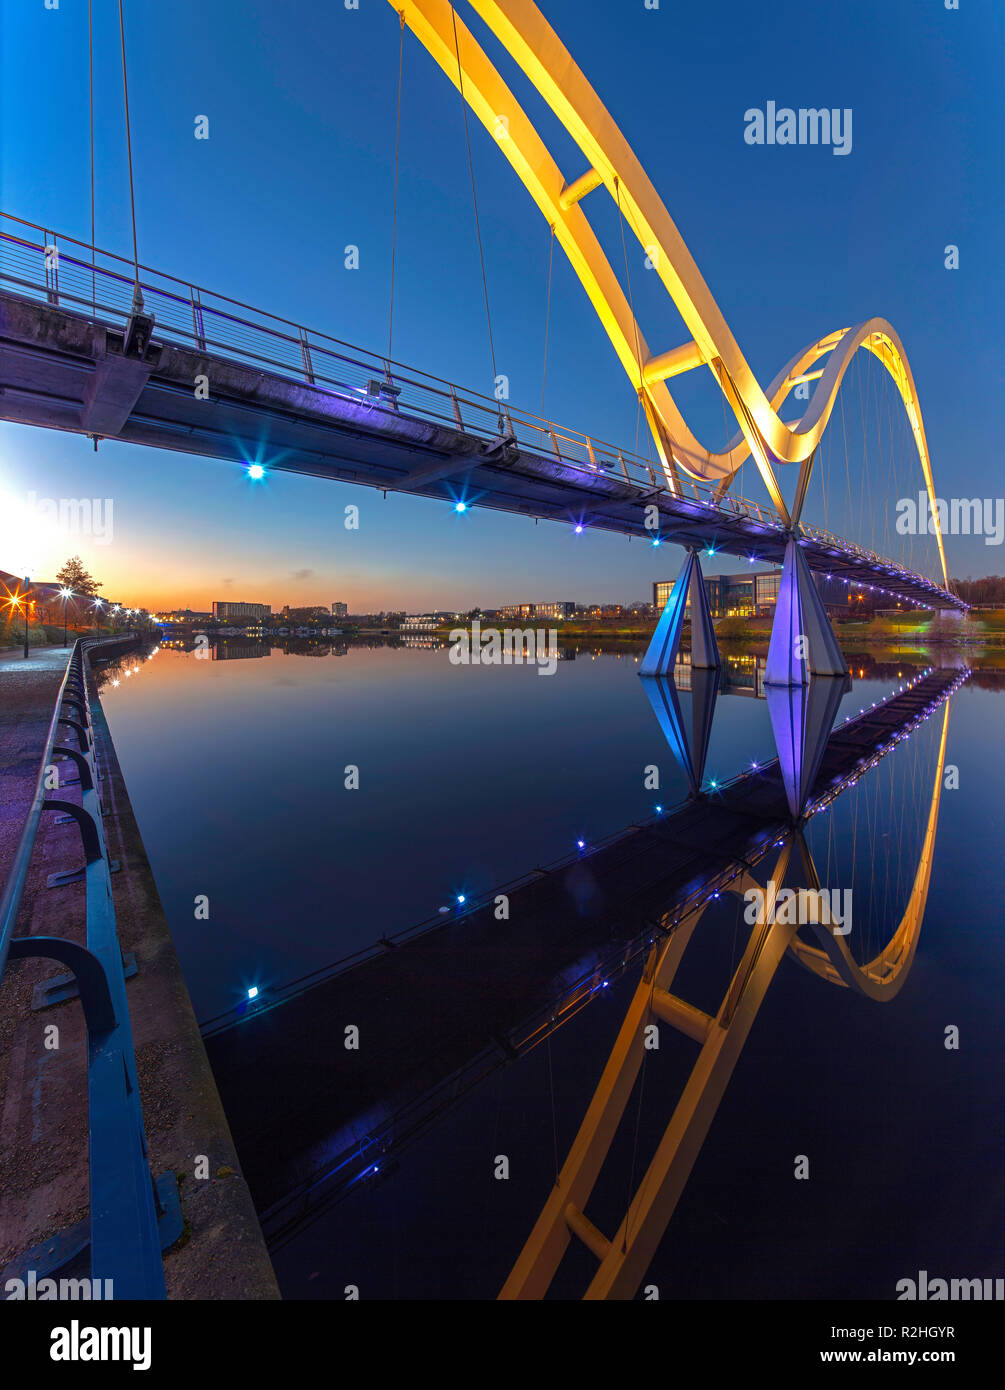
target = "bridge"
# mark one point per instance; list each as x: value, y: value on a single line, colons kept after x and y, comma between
x: 98, y: 344
x: 69, y: 362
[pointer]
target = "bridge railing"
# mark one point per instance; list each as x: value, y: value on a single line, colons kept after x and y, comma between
x: 64, y: 271
x: 130, y: 1216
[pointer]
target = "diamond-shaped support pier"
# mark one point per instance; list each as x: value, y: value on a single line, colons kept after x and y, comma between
x: 803, y: 643
x: 661, y: 655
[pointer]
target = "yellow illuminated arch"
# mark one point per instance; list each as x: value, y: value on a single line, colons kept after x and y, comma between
x: 522, y: 29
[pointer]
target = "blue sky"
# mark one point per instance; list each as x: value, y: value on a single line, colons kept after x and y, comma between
x: 793, y: 242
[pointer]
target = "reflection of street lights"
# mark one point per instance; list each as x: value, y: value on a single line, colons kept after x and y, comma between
x: 67, y: 594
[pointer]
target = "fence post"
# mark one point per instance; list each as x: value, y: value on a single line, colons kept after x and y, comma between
x: 197, y: 323
x: 305, y: 349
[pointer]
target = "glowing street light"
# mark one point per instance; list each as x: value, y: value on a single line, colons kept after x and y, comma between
x: 66, y: 595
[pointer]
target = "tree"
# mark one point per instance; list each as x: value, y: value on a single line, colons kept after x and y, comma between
x: 74, y: 576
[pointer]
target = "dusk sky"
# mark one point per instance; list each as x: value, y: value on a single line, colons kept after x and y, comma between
x: 793, y: 242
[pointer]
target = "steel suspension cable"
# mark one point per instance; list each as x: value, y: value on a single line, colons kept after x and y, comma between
x: 137, y: 296
x: 635, y: 1137
x: 474, y: 196
x: 90, y: 73
x: 638, y: 350
x: 554, y: 1119
x: 397, y: 147
x: 547, y: 318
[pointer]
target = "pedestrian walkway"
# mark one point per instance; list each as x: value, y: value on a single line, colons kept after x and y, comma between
x: 28, y: 692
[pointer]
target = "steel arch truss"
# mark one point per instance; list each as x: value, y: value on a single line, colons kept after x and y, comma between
x: 526, y: 35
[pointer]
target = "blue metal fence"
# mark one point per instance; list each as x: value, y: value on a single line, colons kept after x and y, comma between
x: 131, y: 1218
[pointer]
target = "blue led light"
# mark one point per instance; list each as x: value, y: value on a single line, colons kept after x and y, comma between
x: 256, y: 471
x: 460, y: 507
x: 253, y: 992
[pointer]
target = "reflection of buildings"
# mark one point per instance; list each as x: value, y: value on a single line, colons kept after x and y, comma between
x: 224, y: 649
x: 750, y: 595
x: 537, y: 610
x: 740, y: 675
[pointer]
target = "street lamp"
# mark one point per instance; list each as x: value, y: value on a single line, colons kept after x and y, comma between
x: 26, y: 612
x: 98, y: 605
x: 66, y: 595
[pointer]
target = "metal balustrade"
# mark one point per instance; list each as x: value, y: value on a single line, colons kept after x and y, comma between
x: 42, y: 264
x: 131, y: 1217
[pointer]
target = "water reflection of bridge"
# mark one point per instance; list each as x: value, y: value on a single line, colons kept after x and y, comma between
x: 472, y: 993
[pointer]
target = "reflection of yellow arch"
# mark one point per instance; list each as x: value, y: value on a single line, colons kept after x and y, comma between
x: 881, y: 977
x: 623, y: 1260
x: 525, y: 33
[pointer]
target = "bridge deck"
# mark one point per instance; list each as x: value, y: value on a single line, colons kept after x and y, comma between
x: 469, y: 994
x: 300, y: 402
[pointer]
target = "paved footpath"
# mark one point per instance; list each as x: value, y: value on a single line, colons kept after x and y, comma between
x: 27, y: 694
x: 43, y: 1089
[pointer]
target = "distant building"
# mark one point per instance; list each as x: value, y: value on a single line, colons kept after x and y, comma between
x: 226, y: 612
x: 424, y: 622
x: 750, y: 595
x: 340, y: 610
x: 537, y: 610
x: 305, y: 614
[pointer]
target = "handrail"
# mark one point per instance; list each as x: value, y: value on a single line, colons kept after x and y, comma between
x: 188, y: 314
x: 125, y: 1204
x: 10, y: 900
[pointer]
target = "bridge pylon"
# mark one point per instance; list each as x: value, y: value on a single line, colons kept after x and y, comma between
x: 661, y: 656
x: 803, y: 643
